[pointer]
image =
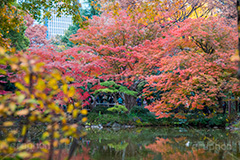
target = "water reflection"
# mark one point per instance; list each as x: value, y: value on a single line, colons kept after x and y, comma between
x: 146, y: 144
x: 163, y: 143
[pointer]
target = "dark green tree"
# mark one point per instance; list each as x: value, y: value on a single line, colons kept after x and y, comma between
x: 41, y: 9
x: 115, y: 89
x: 17, y: 38
x: 71, y: 30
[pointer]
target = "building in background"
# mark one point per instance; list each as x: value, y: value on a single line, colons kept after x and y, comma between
x: 57, y: 25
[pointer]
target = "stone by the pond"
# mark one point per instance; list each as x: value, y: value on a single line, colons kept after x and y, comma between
x: 100, y: 126
x: 97, y: 126
x: 127, y: 126
x: 108, y: 124
x: 116, y: 125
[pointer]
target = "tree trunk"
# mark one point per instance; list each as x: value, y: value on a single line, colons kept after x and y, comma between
x: 220, y: 102
x: 130, y: 101
x: 229, y: 107
x: 93, y: 105
x: 236, y: 106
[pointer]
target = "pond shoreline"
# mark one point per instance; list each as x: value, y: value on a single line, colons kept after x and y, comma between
x: 127, y: 126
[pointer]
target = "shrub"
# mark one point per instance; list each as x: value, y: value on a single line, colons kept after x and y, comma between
x: 138, y: 110
x: 218, y: 120
x: 101, y: 110
x: 118, y: 109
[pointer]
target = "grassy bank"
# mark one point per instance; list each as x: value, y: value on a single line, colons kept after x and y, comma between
x: 140, y: 116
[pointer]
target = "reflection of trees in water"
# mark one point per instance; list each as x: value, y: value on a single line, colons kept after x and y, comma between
x: 194, y: 148
x: 175, y: 141
x: 158, y: 143
x: 175, y: 148
x: 76, y: 150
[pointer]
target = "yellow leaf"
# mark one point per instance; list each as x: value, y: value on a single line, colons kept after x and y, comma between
x: 84, y: 111
x: 32, y: 118
x: 44, y: 150
x: 12, y: 106
x: 45, y: 135
x: 26, y: 146
x: 65, y: 99
x: 235, y: 57
x: 56, y: 135
x: 53, y: 84
x: 37, y: 154
x: 138, y: 121
x: 24, y: 130
x: 8, y: 123
x: 40, y: 85
x: 75, y: 113
x: 71, y: 92
x: 77, y: 104
x: 26, y: 79
x: 46, y: 142
x: 2, y: 71
x: 22, y: 112
x: 70, y: 108
x: 2, y: 51
x: 21, y: 97
x: 65, y: 140
x: 11, y: 139
x: 65, y: 127
x: 19, y: 86
x: 55, y: 143
x: 64, y: 88
x: 24, y: 155
x: 64, y: 121
x: 3, y: 144
x: 84, y: 119
x: 69, y: 79
x: 1, y: 107
x: 57, y: 76
x: 38, y: 66
x: 43, y: 96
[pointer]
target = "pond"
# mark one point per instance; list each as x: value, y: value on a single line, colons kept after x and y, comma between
x: 156, y: 144
x: 149, y: 143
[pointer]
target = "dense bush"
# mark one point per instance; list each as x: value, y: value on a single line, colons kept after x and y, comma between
x: 101, y: 110
x: 118, y: 109
x: 201, y: 120
x: 139, y: 116
x: 139, y: 110
x: 94, y: 118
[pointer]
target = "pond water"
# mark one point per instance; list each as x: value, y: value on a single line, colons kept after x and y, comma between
x: 159, y: 143
x: 156, y: 144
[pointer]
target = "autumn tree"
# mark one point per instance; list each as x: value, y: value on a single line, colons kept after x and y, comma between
x: 199, y: 73
x: 12, y: 27
x: 128, y: 48
x: 36, y: 33
x: 117, y: 40
x: 36, y: 97
x: 35, y: 100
